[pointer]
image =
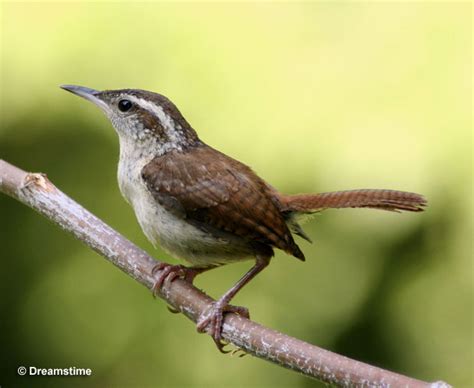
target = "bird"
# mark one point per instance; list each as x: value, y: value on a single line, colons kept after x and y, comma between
x: 204, y: 207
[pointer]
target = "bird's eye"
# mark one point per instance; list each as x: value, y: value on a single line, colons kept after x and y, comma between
x: 124, y: 105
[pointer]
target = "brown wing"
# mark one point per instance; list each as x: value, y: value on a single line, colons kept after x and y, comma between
x: 214, y: 190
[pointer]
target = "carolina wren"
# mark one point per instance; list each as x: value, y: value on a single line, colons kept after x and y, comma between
x: 203, y: 206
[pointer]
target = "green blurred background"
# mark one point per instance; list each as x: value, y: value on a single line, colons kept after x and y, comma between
x: 315, y: 97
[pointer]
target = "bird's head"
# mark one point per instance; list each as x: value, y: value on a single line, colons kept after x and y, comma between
x: 142, y: 118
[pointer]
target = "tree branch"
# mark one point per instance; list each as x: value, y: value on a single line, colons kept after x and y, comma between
x: 36, y: 191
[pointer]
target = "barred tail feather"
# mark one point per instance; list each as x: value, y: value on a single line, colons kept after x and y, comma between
x: 391, y: 200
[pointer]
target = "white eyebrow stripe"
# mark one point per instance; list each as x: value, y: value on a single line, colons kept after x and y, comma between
x: 165, y: 120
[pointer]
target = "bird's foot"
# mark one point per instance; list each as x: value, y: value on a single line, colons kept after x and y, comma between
x: 168, y: 272
x: 211, y: 321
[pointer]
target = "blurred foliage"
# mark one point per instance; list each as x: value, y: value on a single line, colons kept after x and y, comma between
x: 315, y: 97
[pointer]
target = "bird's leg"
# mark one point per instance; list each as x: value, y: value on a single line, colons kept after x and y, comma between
x: 169, y: 272
x: 212, y: 320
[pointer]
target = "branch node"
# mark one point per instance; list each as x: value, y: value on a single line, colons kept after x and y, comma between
x: 38, y: 180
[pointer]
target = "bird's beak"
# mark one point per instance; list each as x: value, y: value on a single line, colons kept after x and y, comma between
x: 89, y: 94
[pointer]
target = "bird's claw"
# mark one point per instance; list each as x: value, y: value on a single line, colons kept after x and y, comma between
x: 172, y: 310
x: 235, y: 352
x: 167, y: 273
x: 211, y: 321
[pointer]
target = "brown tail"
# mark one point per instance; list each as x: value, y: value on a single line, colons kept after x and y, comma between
x: 391, y: 200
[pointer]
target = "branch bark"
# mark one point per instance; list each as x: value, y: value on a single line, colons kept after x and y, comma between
x: 36, y: 191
